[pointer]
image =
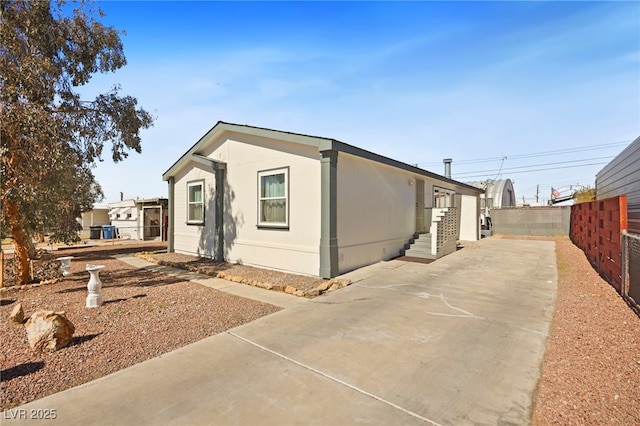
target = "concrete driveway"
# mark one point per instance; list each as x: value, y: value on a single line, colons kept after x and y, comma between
x: 455, y: 342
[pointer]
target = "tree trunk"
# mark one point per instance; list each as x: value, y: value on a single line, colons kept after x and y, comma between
x: 20, y: 244
x: 31, y: 249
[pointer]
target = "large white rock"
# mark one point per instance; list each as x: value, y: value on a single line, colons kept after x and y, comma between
x: 49, y: 331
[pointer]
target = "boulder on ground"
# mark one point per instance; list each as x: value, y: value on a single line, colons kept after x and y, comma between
x: 17, y: 315
x: 324, y: 286
x: 49, y: 331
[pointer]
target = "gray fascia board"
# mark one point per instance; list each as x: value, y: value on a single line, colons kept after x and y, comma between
x: 221, y: 126
x: 299, y: 138
x: 323, y: 144
x: 206, y: 161
x: 368, y: 155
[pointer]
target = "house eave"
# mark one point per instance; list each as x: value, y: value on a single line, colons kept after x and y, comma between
x: 222, y: 126
x: 321, y: 143
x: 334, y: 145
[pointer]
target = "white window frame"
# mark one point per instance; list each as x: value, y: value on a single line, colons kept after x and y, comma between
x: 272, y: 172
x: 190, y: 220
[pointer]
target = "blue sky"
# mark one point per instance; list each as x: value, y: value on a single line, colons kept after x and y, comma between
x: 551, y: 86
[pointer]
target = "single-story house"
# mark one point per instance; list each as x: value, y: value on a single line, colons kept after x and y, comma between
x: 140, y: 219
x: 306, y: 204
x: 98, y: 216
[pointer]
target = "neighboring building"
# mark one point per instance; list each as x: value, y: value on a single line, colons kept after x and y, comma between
x: 622, y: 177
x: 303, y: 204
x: 140, y: 219
x: 98, y: 216
x: 498, y: 194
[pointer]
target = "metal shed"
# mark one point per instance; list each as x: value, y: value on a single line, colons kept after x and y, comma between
x: 498, y: 194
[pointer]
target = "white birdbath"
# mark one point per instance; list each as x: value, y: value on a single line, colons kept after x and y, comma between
x: 94, y: 299
x: 65, y: 264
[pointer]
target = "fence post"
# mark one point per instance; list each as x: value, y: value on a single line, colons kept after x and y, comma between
x: 624, y: 261
x: 622, y: 203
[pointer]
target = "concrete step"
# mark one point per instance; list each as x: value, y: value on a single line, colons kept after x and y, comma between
x: 419, y: 253
x: 420, y: 247
x: 422, y: 243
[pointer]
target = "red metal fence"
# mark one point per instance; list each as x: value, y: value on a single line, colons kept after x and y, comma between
x: 596, y: 228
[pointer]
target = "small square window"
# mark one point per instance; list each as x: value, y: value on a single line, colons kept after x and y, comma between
x: 273, y: 198
x: 195, y: 202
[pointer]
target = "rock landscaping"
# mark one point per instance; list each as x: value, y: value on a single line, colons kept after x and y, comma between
x: 144, y: 315
x: 298, y: 285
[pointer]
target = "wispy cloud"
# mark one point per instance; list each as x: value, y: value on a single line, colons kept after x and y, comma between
x: 417, y: 82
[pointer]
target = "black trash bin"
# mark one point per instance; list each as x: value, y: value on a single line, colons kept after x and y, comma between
x: 95, y: 232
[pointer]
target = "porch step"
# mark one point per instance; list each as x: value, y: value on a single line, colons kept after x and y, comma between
x: 421, y: 248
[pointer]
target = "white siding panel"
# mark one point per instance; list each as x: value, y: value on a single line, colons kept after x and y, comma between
x: 192, y: 239
x: 375, y: 211
x: 295, y: 249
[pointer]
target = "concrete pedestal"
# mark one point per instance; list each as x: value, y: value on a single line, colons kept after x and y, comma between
x: 94, y: 299
x: 65, y: 264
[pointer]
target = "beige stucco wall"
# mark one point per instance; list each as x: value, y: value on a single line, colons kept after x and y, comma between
x: 295, y: 249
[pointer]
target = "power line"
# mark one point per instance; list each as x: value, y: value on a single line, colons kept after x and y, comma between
x: 536, y: 154
x: 538, y: 170
x: 511, y: 169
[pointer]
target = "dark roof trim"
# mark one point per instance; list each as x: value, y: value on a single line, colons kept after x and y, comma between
x: 323, y: 144
x: 221, y: 126
x: 363, y: 153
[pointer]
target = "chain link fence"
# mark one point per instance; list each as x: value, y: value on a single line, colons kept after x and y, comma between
x: 631, y: 269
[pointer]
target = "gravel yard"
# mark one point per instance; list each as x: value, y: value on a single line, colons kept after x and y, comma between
x: 591, y: 371
x: 144, y: 315
x: 590, y: 376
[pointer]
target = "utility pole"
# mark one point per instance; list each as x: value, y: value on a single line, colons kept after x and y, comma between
x: 537, y: 193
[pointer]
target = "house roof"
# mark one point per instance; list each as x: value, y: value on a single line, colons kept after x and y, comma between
x: 158, y: 200
x: 123, y: 203
x: 322, y: 143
